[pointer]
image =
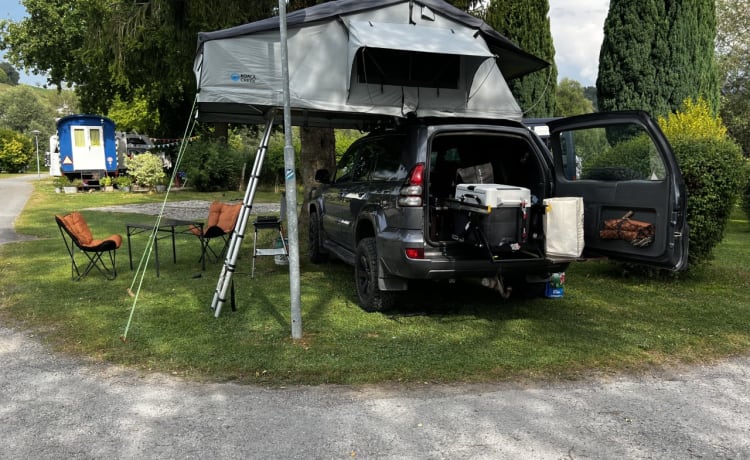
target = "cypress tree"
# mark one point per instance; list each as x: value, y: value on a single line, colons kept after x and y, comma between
x: 656, y: 54
x: 633, y: 39
x: 690, y: 70
x: 525, y: 22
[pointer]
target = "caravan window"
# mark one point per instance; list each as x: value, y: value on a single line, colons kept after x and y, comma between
x: 96, y: 137
x: 79, y: 137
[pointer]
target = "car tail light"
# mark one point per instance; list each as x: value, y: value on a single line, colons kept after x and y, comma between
x: 413, y: 188
x: 414, y: 253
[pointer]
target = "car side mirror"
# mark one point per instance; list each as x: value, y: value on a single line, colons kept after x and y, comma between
x: 323, y: 176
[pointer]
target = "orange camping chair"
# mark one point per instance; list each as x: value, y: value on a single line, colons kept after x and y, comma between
x: 77, y: 237
x: 222, y: 218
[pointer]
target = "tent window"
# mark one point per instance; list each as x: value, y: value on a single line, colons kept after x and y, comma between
x: 408, y: 68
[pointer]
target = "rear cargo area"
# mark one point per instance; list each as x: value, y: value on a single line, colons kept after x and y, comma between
x: 486, y: 192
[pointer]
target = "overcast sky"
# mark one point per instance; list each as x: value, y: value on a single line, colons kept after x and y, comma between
x: 576, y: 31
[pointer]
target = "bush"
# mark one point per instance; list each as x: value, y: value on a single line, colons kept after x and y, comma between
x: 746, y: 197
x: 712, y: 167
x: 213, y: 165
x: 146, y: 169
x: 16, y: 151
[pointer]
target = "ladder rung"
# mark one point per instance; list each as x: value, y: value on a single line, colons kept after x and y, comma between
x: 270, y: 252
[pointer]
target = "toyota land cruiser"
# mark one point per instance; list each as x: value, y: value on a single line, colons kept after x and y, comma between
x: 391, y: 208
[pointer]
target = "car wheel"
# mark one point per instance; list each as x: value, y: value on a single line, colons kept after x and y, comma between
x: 371, y: 298
x: 317, y: 253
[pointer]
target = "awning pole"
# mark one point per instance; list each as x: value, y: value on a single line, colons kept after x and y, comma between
x: 291, y: 185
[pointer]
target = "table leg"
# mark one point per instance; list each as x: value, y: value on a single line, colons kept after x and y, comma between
x: 174, y: 251
x: 156, y: 252
x: 130, y: 253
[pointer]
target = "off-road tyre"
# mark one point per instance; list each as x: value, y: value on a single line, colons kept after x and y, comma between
x: 317, y: 254
x: 371, y: 298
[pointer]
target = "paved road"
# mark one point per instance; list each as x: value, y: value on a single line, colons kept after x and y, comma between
x: 14, y: 192
x: 53, y: 406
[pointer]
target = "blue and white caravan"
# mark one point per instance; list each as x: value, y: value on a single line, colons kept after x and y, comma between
x: 86, y: 147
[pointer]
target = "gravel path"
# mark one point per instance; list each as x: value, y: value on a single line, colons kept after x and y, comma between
x: 184, y: 210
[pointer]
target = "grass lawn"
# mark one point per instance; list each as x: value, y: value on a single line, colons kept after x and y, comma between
x: 606, y: 322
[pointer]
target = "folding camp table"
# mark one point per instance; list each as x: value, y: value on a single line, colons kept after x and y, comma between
x: 169, y: 226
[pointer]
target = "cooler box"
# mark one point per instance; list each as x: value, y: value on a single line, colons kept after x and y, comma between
x: 493, y: 195
x: 500, y: 218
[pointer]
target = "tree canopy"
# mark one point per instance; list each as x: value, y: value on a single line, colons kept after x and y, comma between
x: 733, y: 57
x: 10, y: 73
x: 527, y: 24
x: 570, y: 99
x: 109, y: 48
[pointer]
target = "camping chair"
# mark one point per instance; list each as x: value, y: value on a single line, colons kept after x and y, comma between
x: 76, y: 234
x: 222, y: 218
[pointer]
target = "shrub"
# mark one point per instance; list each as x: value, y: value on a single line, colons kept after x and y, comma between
x: 146, y: 169
x: 212, y: 165
x: 272, y: 172
x: 16, y: 151
x: 123, y: 181
x: 746, y: 194
x: 711, y: 165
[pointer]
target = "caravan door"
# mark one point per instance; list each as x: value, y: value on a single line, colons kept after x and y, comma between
x: 87, y: 146
x: 622, y: 165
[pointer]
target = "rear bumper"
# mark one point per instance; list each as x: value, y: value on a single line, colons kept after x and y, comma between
x: 451, y: 262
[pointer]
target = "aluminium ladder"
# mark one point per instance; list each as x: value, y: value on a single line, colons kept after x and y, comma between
x: 225, y: 278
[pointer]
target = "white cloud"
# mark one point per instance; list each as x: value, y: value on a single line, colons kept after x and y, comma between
x: 577, y: 28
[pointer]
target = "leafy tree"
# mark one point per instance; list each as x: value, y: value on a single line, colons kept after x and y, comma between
x: 119, y: 47
x: 571, y: 99
x: 10, y: 72
x: 16, y: 150
x: 733, y: 57
x: 656, y: 54
x: 211, y: 164
x: 23, y: 110
x: 4, y: 77
x: 134, y: 115
x: 527, y: 24
x: 589, y: 93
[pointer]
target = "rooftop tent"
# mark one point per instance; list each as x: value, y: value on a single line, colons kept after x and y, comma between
x: 353, y: 60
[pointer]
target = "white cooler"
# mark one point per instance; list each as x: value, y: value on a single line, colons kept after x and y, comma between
x: 502, y: 217
x: 493, y: 195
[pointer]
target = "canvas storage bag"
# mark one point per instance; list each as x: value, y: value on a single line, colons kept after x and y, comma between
x: 563, y: 227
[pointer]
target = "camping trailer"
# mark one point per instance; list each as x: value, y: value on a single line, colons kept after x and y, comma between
x: 85, y: 148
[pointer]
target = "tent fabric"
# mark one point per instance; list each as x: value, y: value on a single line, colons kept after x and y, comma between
x: 514, y: 62
x: 354, y: 61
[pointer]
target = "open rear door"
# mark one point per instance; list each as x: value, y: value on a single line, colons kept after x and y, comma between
x: 623, y: 167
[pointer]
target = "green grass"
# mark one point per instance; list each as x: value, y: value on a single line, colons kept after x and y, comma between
x: 606, y: 322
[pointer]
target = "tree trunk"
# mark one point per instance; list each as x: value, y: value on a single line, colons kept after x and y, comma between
x: 318, y: 151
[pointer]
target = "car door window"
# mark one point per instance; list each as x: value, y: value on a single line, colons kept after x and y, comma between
x: 616, y: 153
x: 387, y: 154
x: 349, y: 167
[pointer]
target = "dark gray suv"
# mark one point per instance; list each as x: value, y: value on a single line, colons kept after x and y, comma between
x: 404, y: 203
